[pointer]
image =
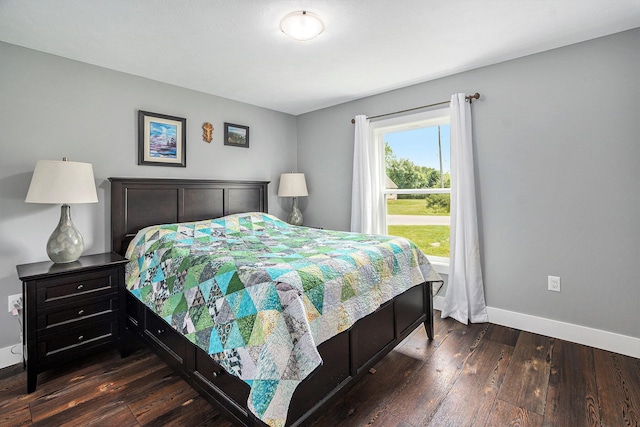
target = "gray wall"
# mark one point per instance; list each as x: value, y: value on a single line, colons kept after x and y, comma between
x: 558, y: 170
x: 52, y: 107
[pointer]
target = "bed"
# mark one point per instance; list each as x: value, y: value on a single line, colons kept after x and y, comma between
x: 318, y: 375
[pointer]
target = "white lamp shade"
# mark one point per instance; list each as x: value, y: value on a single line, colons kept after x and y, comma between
x: 302, y: 25
x: 292, y: 185
x: 62, y: 182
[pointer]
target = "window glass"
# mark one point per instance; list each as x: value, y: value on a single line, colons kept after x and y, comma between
x: 418, y: 182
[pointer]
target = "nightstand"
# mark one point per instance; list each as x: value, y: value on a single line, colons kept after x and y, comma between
x: 71, y: 310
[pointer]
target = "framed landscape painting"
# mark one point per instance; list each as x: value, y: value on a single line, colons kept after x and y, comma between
x: 162, y: 140
x: 236, y: 135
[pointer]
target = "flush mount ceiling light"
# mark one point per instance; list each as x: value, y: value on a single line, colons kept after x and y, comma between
x: 302, y: 25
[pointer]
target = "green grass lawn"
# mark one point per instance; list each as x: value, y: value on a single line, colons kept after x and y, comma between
x: 431, y: 239
x: 411, y: 207
x: 406, y: 207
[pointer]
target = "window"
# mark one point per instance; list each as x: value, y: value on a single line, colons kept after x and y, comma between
x: 418, y: 183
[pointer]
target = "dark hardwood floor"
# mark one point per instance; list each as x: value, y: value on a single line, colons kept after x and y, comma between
x: 476, y: 375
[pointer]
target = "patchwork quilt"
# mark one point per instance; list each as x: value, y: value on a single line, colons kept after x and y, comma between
x: 260, y: 295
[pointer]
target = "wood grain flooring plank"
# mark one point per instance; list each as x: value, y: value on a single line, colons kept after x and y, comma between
x: 572, y: 397
x: 618, y: 383
x: 502, y: 335
x: 474, y: 392
x: 141, y: 387
x: 80, y: 369
x: 418, y: 345
x: 14, y: 402
x: 113, y: 414
x: 15, y: 416
x: 385, y: 419
x: 162, y: 400
x: 359, y: 406
x: 107, y: 392
x: 505, y: 414
x: 95, y: 405
x: 118, y: 417
x: 396, y: 369
x: 192, y: 412
x: 527, y: 378
x: 421, y: 396
x: 13, y: 389
x: 102, y: 380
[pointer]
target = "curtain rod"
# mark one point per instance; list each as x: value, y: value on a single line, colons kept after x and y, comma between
x: 469, y: 98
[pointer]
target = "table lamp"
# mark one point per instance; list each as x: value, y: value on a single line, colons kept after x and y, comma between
x: 63, y: 182
x: 293, y: 185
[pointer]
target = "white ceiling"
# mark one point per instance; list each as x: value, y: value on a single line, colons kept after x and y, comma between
x: 234, y: 48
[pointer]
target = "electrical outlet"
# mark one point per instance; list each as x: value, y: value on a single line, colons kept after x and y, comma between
x: 13, y: 301
x: 554, y: 283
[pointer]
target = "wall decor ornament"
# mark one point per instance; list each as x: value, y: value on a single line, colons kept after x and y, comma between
x: 236, y: 135
x: 207, y: 132
x: 162, y: 140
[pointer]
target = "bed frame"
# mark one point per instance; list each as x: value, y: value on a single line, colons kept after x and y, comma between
x: 140, y: 202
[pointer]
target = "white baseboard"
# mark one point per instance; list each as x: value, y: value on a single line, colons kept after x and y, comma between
x: 7, y: 358
x: 597, y: 338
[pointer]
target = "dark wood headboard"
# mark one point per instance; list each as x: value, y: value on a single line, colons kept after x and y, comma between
x: 140, y: 202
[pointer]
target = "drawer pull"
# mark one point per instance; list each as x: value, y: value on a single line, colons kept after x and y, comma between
x: 81, y: 337
x: 80, y: 312
x: 160, y: 331
x: 80, y: 287
x: 215, y: 375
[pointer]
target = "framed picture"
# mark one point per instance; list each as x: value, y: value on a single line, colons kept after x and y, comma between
x: 162, y: 140
x: 236, y: 135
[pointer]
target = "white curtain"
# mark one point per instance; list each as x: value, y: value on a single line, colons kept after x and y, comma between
x: 464, y: 300
x: 367, y: 200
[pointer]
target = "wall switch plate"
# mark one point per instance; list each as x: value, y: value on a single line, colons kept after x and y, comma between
x: 14, y: 300
x: 554, y: 283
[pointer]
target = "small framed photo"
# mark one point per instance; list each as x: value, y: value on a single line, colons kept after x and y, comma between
x: 162, y: 140
x: 236, y: 135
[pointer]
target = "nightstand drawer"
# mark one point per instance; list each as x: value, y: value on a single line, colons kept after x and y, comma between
x: 77, y: 339
x: 65, y: 289
x: 79, y: 311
